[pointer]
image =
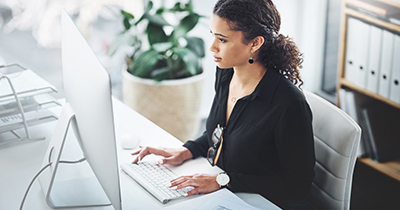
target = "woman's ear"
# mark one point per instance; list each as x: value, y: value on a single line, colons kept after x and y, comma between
x: 257, y: 43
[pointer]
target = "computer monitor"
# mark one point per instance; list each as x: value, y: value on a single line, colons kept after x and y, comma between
x: 88, y: 110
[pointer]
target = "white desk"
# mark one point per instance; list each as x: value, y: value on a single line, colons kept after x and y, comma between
x: 20, y: 161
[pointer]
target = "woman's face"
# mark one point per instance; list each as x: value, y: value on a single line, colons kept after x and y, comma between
x: 227, y: 46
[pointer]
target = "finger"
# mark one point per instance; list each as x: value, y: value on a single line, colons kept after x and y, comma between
x: 138, y: 158
x: 187, y: 183
x: 160, y: 151
x: 143, y: 153
x: 135, y: 160
x: 137, y: 151
x: 179, y: 180
x: 193, y: 192
x: 151, y: 150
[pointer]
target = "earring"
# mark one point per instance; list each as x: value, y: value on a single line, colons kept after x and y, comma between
x: 251, y: 61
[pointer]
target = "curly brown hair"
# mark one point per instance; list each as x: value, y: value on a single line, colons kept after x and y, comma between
x: 261, y: 18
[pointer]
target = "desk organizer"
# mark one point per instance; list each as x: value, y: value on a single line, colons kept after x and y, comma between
x: 24, y: 102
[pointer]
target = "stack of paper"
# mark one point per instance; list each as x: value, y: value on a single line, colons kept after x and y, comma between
x: 220, y: 200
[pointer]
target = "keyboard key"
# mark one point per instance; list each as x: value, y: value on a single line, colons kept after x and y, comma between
x: 154, y: 178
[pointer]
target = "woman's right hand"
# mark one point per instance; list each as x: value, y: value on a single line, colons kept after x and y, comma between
x: 173, y: 156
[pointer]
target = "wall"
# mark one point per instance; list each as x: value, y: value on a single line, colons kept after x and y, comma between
x: 305, y: 21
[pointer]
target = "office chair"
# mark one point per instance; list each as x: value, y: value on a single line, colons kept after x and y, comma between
x: 336, y: 137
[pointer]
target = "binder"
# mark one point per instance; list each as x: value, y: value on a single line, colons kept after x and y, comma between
x: 383, y: 132
x: 343, y: 102
x: 395, y: 77
x: 365, y: 141
x: 351, y: 105
x: 374, y: 58
x: 386, y: 63
x: 357, y: 51
x: 352, y: 110
x: 348, y: 104
x: 350, y: 50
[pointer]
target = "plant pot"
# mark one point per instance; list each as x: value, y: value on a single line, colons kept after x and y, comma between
x: 174, y: 105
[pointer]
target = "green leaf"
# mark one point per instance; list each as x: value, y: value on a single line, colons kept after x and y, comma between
x: 140, y: 19
x: 190, y: 59
x: 161, y: 73
x: 186, y: 24
x: 149, y: 6
x: 127, y: 24
x: 189, y: 6
x: 177, y: 8
x: 165, y: 59
x: 196, y: 45
x: 146, y: 13
x: 156, y: 19
x: 162, y: 46
x: 155, y: 34
x: 144, y: 63
x: 160, y: 11
x: 127, y: 15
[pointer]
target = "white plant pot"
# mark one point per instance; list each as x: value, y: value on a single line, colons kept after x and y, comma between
x: 174, y: 105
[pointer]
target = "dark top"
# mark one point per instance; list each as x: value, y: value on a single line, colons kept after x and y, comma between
x: 268, y: 143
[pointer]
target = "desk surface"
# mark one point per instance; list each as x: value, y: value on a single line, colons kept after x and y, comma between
x: 21, y: 161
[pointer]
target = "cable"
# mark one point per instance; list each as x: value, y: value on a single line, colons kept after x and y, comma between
x: 41, y: 170
x: 13, y: 64
x: 30, y: 185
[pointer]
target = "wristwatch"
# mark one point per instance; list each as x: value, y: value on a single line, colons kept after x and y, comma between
x: 223, y: 179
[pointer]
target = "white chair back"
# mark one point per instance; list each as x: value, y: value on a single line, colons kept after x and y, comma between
x: 337, y: 138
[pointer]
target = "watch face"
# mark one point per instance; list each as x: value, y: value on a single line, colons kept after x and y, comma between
x: 223, y: 179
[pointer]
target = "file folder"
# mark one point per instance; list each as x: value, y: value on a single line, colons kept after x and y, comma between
x: 352, y: 110
x: 386, y: 63
x: 357, y: 51
x: 342, y: 101
x: 383, y: 131
x: 395, y: 77
x: 374, y: 59
x: 365, y: 141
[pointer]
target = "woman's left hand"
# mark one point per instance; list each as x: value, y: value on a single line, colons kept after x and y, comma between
x: 202, y: 183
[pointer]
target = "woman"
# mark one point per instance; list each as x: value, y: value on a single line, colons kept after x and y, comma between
x: 259, y: 128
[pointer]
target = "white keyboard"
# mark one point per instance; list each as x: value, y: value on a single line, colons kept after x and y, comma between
x: 154, y: 178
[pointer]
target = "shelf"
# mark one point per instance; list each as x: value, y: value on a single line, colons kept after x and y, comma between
x: 384, y: 24
x: 344, y: 82
x: 391, y: 168
x: 395, y: 4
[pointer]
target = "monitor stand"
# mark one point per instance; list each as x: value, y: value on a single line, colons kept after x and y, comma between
x: 74, y: 192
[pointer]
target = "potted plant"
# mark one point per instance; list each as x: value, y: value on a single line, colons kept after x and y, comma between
x: 163, y: 77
